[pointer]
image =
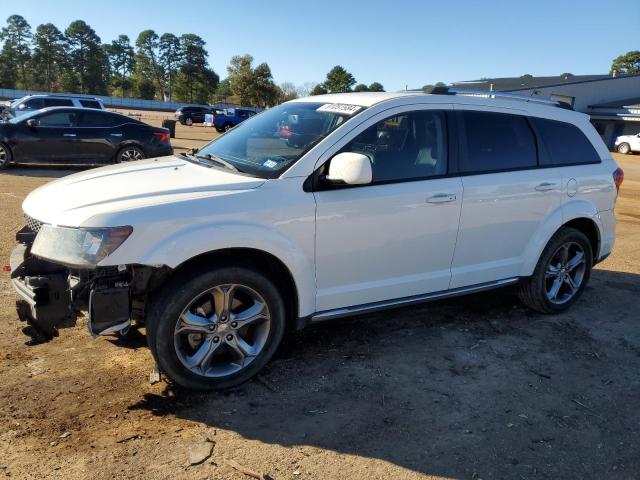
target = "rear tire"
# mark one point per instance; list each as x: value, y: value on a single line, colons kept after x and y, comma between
x: 559, y: 278
x: 227, y: 126
x: 194, y: 295
x: 5, y: 156
x: 188, y: 121
x: 130, y: 154
x: 624, y: 148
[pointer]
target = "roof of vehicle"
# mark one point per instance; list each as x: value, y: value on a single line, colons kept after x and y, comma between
x: 59, y: 95
x: 369, y: 99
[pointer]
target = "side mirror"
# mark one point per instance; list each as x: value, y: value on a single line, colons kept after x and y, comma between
x: 351, y: 169
x: 32, y: 122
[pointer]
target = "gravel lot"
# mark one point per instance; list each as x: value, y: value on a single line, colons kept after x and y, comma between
x: 474, y: 387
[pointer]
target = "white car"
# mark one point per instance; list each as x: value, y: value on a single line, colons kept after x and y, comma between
x: 628, y: 143
x: 372, y: 201
x: 31, y: 103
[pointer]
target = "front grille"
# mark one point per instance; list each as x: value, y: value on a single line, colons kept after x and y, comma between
x: 32, y: 224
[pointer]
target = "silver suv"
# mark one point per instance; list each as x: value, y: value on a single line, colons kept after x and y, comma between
x: 36, y: 102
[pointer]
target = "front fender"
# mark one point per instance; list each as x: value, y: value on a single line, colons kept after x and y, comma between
x: 191, y: 241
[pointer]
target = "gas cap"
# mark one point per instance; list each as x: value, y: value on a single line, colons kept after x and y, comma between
x: 572, y: 187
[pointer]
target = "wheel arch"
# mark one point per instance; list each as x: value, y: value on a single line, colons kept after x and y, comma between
x: 266, y: 263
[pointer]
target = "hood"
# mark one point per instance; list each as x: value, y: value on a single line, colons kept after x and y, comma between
x: 74, y: 199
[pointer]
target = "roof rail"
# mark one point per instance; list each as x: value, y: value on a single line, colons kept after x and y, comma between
x: 494, y: 94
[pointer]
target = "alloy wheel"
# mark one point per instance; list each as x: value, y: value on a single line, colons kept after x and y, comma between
x: 565, y: 272
x: 131, y: 155
x: 624, y: 149
x: 4, y: 157
x: 222, y: 330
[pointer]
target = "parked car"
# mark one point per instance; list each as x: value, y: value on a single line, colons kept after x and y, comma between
x: 191, y: 114
x: 62, y: 135
x: 36, y: 102
x: 628, y: 144
x: 396, y: 199
x: 230, y: 118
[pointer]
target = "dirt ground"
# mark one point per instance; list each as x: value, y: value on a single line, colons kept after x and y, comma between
x: 471, y: 388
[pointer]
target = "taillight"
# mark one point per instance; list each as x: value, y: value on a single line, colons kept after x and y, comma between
x: 162, y: 136
x: 618, y: 178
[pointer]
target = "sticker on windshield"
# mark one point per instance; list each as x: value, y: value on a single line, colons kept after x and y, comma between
x: 342, y: 108
x: 270, y: 164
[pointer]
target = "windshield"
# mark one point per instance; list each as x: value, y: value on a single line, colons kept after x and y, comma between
x: 267, y: 144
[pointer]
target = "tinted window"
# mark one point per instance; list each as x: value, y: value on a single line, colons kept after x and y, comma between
x: 100, y: 119
x: 34, y: 104
x: 496, y: 141
x: 565, y: 143
x: 57, y: 119
x: 58, y: 102
x: 405, y: 147
x: 90, y: 104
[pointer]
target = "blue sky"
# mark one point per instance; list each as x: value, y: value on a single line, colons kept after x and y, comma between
x: 398, y: 43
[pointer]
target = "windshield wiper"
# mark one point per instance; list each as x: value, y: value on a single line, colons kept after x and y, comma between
x: 218, y: 160
x: 211, y: 158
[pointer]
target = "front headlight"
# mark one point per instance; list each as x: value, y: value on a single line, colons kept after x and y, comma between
x: 78, y: 247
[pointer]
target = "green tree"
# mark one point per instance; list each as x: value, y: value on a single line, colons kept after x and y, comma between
x: 122, y: 59
x: 15, y: 51
x: 319, y: 89
x: 254, y: 87
x: 145, y: 88
x: 376, y: 87
x: 627, y: 64
x: 240, y: 77
x: 171, y: 57
x: 197, y: 81
x: 339, y: 80
x: 147, y: 63
x: 288, y: 91
x: 88, y: 60
x: 49, y: 57
x: 224, y: 89
x: 361, y: 87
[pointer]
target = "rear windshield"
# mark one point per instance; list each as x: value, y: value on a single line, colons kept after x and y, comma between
x: 267, y: 144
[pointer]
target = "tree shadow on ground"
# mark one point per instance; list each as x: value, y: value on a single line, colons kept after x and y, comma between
x: 472, y: 387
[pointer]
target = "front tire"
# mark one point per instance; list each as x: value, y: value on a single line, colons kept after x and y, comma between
x: 212, y: 329
x: 227, y: 127
x: 188, y: 121
x: 5, y: 156
x: 624, y: 148
x: 561, y: 274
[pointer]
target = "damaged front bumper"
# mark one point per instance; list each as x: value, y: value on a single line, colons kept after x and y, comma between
x: 53, y: 295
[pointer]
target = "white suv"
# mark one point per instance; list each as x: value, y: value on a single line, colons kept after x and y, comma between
x: 628, y: 144
x: 320, y: 208
x: 31, y: 103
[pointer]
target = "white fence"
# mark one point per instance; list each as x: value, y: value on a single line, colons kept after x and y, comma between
x: 120, y: 102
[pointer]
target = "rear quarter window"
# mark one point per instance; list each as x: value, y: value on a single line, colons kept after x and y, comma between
x: 90, y: 104
x: 565, y: 144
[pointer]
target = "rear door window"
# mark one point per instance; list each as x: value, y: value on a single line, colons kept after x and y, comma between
x: 565, y: 144
x: 58, y: 102
x: 492, y: 142
x: 99, y: 119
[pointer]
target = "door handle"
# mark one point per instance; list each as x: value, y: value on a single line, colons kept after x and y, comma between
x: 69, y: 135
x: 545, y: 186
x: 115, y: 134
x: 442, y: 198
